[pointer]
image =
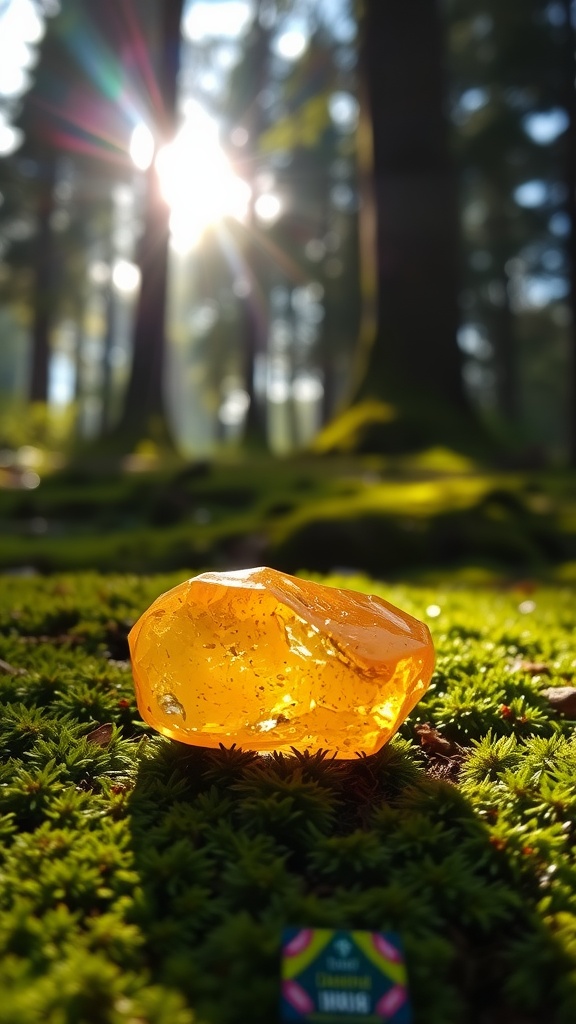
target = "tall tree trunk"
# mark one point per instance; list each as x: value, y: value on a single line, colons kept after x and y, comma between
x: 570, y: 165
x: 252, y: 324
x: 415, y: 355
x: 498, y: 315
x: 109, y: 338
x: 144, y: 409
x: 43, y: 285
x: 501, y: 331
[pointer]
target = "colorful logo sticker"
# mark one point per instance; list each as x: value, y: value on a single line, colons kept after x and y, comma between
x: 348, y: 976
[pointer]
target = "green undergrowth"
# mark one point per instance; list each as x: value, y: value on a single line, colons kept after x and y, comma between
x: 146, y: 882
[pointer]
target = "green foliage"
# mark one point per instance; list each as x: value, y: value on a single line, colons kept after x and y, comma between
x: 37, y: 424
x: 143, y: 880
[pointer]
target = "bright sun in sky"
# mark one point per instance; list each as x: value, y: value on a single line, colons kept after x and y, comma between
x: 196, y: 178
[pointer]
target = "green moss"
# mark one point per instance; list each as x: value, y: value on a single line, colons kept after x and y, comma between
x: 388, y: 514
x: 143, y: 880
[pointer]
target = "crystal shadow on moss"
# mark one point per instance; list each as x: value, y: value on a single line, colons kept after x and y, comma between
x: 230, y: 847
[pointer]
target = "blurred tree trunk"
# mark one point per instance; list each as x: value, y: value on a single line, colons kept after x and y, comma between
x: 501, y: 321
x: 505, y: 359
x: 570, y: 164
x: 79, y: 356
x: 415, y: 357
x: 252, y: 324
x: 43, y: 283
x: 109, y: 338
x: 144, y: 407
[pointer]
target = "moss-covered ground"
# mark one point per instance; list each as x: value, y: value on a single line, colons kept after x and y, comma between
x: 146, y: 882
x: 383, y: 515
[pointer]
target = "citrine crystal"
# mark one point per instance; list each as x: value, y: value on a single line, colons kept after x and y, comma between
x: 271, y: 662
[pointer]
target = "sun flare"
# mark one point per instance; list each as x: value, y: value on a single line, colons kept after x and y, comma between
x: 197, y: 180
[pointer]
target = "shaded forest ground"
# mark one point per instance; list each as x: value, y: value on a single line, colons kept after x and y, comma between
x: 410, y: 516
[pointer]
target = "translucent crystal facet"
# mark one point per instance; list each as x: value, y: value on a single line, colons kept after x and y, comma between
x: 271, y: 662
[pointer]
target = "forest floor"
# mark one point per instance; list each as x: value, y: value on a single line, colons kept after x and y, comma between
x: 146, y: 881
x: 404, y: 517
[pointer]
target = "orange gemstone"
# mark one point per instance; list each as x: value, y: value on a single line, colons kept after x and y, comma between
x: 270, y: 662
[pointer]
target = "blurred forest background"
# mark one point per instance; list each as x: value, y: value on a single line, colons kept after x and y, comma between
x: 248, y: 229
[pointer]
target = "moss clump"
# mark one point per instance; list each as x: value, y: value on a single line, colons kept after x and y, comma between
x: 142, y: 880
